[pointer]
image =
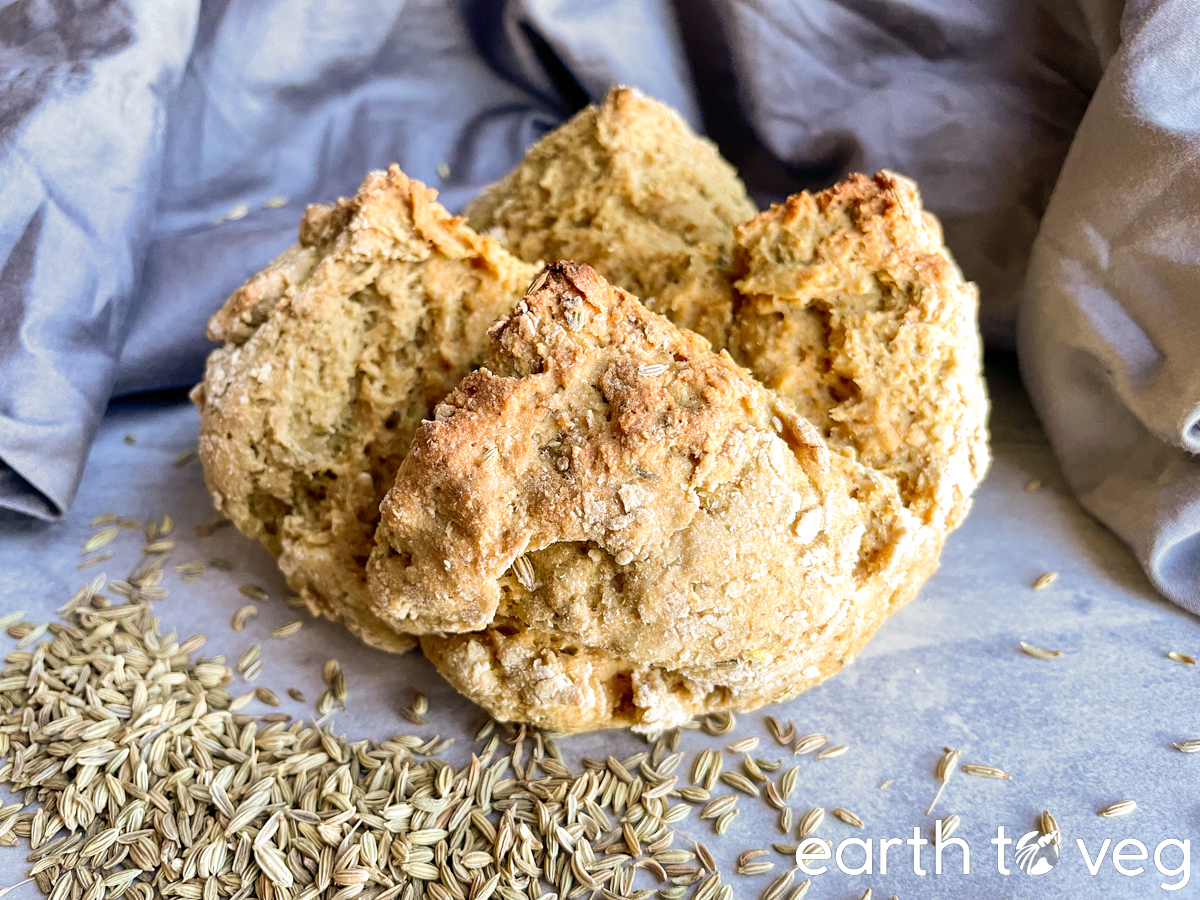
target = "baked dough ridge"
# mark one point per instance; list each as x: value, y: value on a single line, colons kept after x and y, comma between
x: 330, y: 358
x: 627, y: 187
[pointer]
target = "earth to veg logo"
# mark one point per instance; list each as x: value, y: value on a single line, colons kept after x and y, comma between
x: 1037, y: 853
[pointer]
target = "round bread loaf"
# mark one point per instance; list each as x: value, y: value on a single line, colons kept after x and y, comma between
x: 610, y: 524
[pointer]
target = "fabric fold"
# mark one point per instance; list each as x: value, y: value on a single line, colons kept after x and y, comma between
x: 1110, y: 321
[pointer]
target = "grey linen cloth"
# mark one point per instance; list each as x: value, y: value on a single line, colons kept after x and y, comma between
x: 154, y: 153
x: 1110, y: 324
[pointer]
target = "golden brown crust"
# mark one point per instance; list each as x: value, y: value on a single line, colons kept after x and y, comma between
x: 629, y: 189
x: 331, y: 357
x: 634, y: 530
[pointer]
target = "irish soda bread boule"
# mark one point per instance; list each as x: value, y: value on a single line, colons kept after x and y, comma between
x: 612, y: 525
x: 617, y: 521
x: 629, y: 189
x: 330, y: 358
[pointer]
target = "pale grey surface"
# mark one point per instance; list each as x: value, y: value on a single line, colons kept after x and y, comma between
x: 1077, y: 733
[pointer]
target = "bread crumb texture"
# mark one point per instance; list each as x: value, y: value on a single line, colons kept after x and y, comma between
x: 330, y: 358
x: 849, y: 305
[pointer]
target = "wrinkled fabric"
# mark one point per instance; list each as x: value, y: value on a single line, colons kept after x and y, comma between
x: 82, y: 122
x: 153, y: 155
x: 1110, y: 328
